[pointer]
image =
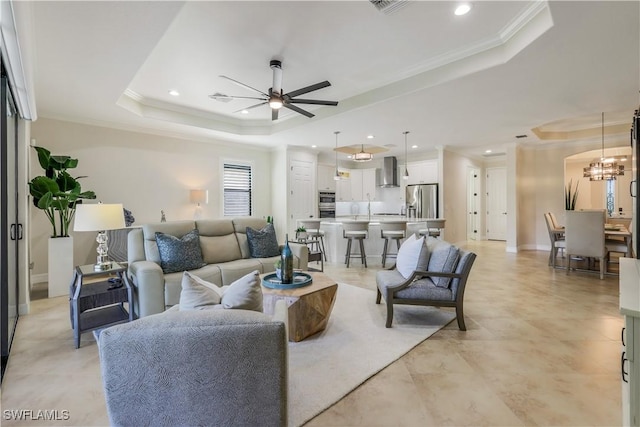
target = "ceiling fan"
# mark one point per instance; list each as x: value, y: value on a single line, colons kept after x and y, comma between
x: 275, y: 98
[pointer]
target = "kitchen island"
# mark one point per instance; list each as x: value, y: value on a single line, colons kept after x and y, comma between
x: 336, y: 244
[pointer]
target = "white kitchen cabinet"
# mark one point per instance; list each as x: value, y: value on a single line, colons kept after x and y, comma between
x: 423, y: 172
x: 630, y: 360
x: 369, y: 184
x: 356, y: 185
x: 325, y: 178
x: 343, y: 186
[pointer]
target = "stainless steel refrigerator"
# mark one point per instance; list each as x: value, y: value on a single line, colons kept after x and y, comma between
x: 422, y: 201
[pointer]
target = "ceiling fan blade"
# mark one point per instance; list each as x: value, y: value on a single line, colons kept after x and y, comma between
x: 253, y: 106
x: 298, y: 110
x: 274, y: 114
x: 214, y: 96
x: 308, y: 89
x: 244, y: 85
x: 312, y: 101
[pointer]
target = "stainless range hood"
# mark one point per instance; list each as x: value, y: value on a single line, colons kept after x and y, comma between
x: 388, y: 175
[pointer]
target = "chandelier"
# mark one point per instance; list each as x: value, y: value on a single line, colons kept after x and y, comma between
x: 362, y: 156
x: 605, y: 169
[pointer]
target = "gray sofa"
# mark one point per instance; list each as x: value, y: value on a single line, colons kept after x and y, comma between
x: 225, y: 251
x: 181, y: 368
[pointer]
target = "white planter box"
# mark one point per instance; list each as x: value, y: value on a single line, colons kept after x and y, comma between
x: 60, y: 265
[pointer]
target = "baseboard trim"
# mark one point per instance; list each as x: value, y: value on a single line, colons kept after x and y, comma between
x: 39, y: 278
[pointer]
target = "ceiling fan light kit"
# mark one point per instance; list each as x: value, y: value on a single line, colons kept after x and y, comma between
x: 362, y: 156
x: 275, y: 99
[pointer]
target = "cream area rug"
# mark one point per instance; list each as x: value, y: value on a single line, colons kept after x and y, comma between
x: 354, y: 347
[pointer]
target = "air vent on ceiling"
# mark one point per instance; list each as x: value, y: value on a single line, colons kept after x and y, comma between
x: 221, y: 97
x: 388, y: 6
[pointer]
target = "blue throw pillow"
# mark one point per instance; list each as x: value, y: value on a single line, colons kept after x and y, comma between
x: 179, y: 254
x: 263, y: 243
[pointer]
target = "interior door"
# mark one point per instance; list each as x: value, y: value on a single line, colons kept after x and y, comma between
x: 302, y: 200
x: 496, y: 203
x: 473, y: 204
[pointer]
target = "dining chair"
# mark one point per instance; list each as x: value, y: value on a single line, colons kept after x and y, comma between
x: 391, y: 230
x: 313, y: 230
x: 556, y: 237
x: 584, y: 236
x: 355, y: 230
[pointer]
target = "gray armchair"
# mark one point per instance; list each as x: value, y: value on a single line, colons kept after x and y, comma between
x: 209, y: 367
x: 420, y: 289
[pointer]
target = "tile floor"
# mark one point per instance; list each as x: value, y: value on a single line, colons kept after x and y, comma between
x: 542, y: 348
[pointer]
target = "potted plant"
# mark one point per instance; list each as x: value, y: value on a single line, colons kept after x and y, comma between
x: 570, y: 196
x: 57, y: 193
x: 301, y: 233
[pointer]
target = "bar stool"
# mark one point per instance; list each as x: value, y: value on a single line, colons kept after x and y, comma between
x: 355, y: 230
x: 391, y: 230
x: 313, y: 231
x: 434, y: 227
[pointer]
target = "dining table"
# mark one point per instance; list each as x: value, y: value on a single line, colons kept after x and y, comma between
x: 617, y: 231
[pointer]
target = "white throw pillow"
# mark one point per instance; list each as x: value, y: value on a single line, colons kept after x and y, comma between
x: 413, y: 255
x: 198, y: 294
x: 244, y: 293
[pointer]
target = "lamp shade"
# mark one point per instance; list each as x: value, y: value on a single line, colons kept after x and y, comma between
x: 99, y: 217
x: 199, y: 196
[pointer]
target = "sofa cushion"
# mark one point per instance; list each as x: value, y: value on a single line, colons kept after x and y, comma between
x: 444, y: 258
x: 413, y: 255
x: 245, y: 293
x: 263, y: 243
x: 179, y: 254
x: 240, y: 226
x: 218, y: 240
x: 233, y: 270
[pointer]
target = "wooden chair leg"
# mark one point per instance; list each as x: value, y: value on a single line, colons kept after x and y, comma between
x: 378, y: 296
x: 348, y: 256
x: 460, y: 317
x: 389, y: 314
x: 384, y: 252
x: 363, y: 255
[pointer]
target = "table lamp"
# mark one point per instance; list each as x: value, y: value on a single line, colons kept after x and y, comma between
x: 100, y: 217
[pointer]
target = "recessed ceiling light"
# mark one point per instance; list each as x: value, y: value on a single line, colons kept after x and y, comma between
x: 314, y: 146
x: 414, y: 146
x: 244, y: 112
x: 174, y: 92
x: 487, y: 151
x: 370, y: 137
x: 462, y: 9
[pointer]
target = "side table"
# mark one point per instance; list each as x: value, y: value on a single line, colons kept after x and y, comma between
x: 101, y: 303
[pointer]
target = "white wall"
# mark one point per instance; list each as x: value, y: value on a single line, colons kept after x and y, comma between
x: 146, y: 173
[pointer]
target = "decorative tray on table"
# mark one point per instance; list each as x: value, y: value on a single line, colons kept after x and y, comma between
x: 299, y: 280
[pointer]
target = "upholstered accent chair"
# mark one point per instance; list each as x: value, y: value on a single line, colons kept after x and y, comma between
x: 197, y: 368
x: 442, y: 284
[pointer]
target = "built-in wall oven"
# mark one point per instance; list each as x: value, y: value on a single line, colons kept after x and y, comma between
x: 327, y: 204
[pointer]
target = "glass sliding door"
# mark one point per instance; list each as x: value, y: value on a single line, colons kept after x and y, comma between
x: 10, y: 228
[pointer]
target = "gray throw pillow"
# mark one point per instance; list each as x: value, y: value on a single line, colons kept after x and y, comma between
x: 198, y: 293
x: 179, y: 254
x: 444, y: 258
x: 263, y: 243
x: 245, y: 293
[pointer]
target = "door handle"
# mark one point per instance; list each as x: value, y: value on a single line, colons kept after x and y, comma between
x: 631, y: 188
x: 622, y: 360
x: 16, y: 232
x: 13, y: 232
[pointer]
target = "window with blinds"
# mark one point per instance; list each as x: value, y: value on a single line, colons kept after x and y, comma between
x: 237, y: 190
